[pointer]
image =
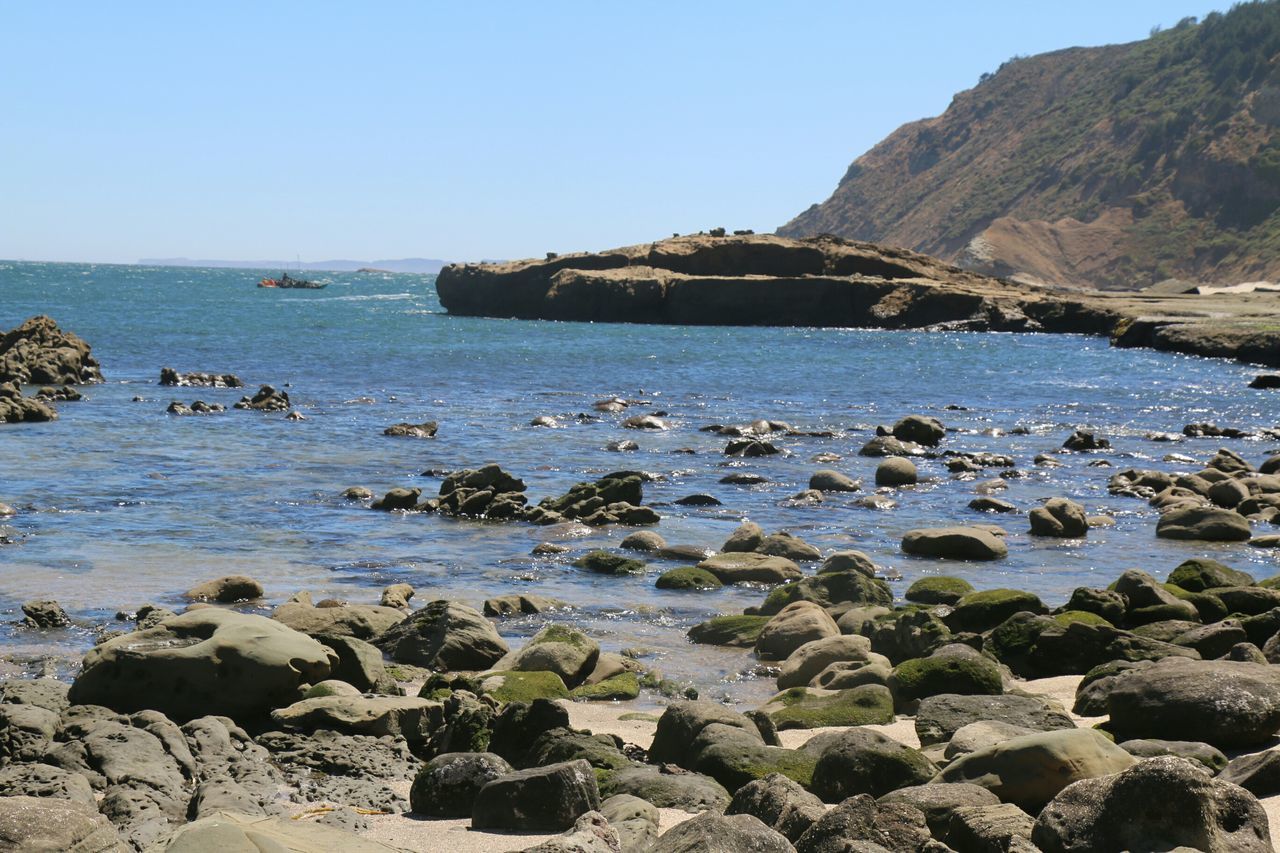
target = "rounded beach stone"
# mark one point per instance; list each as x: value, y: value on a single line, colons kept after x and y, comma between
x: 446, y: 786
x: 897, y: 471
x: 955, y: 543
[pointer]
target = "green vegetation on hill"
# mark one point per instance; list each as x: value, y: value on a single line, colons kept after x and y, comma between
x: 1164, y: 152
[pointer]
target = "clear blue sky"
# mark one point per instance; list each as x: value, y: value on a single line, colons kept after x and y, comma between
x: 470, y: 129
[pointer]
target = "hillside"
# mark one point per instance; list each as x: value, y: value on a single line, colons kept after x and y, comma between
x: 1115, y: 166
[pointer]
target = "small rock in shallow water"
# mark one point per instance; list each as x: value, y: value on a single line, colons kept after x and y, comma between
x: 45, y: 614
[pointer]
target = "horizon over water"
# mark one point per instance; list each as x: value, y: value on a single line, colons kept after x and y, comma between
x: 121, y: 504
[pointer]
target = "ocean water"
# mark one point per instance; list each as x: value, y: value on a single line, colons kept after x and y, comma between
x: 122, y: 504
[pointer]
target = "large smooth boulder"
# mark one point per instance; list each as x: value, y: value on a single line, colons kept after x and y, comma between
x: 206, y: 661
x: 897, y: 471
x: 793, y: 626
x: 1060, y: 518
x: 863, y: 761
x: 416, y: 719
x: 954, y: 543
x: 43, y: 825
x: 812, y: 708
x: 446, y: 786
x: 362, y: 621
x: 827, y: 480
x: 744, y: 567
x: 445, y: 636
x: 983, y: 610
x: 806, y: 662
x: 953, y: 668
x: 710, y: 832
x: 1209, y: 523
x: 566, y: 651
x: 230, y: 831
x: 548, y: 799
x: 1201, y: 573
x: 920, y: 429
x: 940, y: 717
x: 1030, y: 770
x: 940, y: 800
x: 690, y: 792
x: 1158, y: 804
x: 682, y: 722
x: 1223, y: 703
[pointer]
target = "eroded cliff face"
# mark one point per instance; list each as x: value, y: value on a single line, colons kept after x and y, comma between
x: 1113, y: 167
x: 760, y: 280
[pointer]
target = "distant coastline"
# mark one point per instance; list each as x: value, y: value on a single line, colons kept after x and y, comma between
x: 401, y: 265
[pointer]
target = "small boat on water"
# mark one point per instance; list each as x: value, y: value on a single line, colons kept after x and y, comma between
x: 287, y: 281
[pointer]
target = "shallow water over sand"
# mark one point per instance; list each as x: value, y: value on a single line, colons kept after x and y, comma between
x: 122, y: 504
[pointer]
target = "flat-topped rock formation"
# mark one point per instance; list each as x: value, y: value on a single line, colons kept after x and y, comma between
x: 755, y: 280
x: 766, y: 280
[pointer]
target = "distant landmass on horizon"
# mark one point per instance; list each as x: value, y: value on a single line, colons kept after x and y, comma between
x: 412, y: 265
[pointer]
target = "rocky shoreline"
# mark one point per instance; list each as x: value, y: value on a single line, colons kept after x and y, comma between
x: 940, y: 718
x: 763, y: 280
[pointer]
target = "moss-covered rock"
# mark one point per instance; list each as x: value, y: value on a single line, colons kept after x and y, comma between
x: 688, y: 577
x: 810, y: 708
x: 736, y: 764
x: 606, y: 563
x: 561, y: 649
x: 941, y: 589
x: 511, y: 686
x: 828, y: 588
x: 1210, y: 607
x: 1201, y: 573
x: 1014, y: 640
x: 981, y: 611
x: 911, y: 632
x: 740, y: 630
x: 1270, y: 583
x: 1108, y: 604
x: 1066, y: 617
x: 603, y: 752
x: 955, y: 669
x: 621, y: 687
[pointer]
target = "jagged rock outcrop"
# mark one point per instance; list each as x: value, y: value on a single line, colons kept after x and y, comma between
x: 39, y: 353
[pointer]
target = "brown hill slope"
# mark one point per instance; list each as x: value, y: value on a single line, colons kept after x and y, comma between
x: 1113, y: 166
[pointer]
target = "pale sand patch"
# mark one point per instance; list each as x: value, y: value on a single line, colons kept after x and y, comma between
x: 1271, y: 805
x: 602, y: 718
x: 427, y: 836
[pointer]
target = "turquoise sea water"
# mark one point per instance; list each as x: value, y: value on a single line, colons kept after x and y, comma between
x: 122, y: 504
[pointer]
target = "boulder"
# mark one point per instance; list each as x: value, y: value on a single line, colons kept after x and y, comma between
x: 447, y: 785
x: 1060, y: 518
x: 606, y: 563
x: 566, y: 651
x: 267, y: 399
x: 811, y: 707
x: 547, y: 799
x: 44, y: 614
x: 227, y: 590
x: 444, y: 636
x: 591, y: 833
x: 710, y: 832
x: 955, y: 543
x: 844, y: 561
x: 920, y: 429
x: 951, y: 669
x: 409, y: 716
x: 897, y: 471
x: 938, y: 589
x: 1210, y: 758
x: 741, y: 631
x: 398, y: 498
x: 981, y: 611
x: 940, y: 800
x: 362, y: 621
x: 682, y: 722
x: 827, y: 480
x: 860, y: 824
x: 1223, y: 703
x: 1157, y: 804
x: 229, y: 831
x: 514, y: 604
x: 635, y: 820
x: 780, y: 803
x: 426, y: 429
x: 205, y: 661
x: 1030, y: 770
x: 828, y: 589
x: 788, y: 546
x: 687, y: 791
x: 793, y: 626
x: 745, y: 538
x: 687, y: 577
x: 939, y: 717
x: 989, y: 828
x: 806, y: 662
x: 1258, y: 773
x: 39, y: 824
x: 40, y: 353
x: 1212, y: 524
x: 862, y: 761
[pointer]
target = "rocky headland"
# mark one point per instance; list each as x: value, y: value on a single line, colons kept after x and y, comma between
x: 766, y: 280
